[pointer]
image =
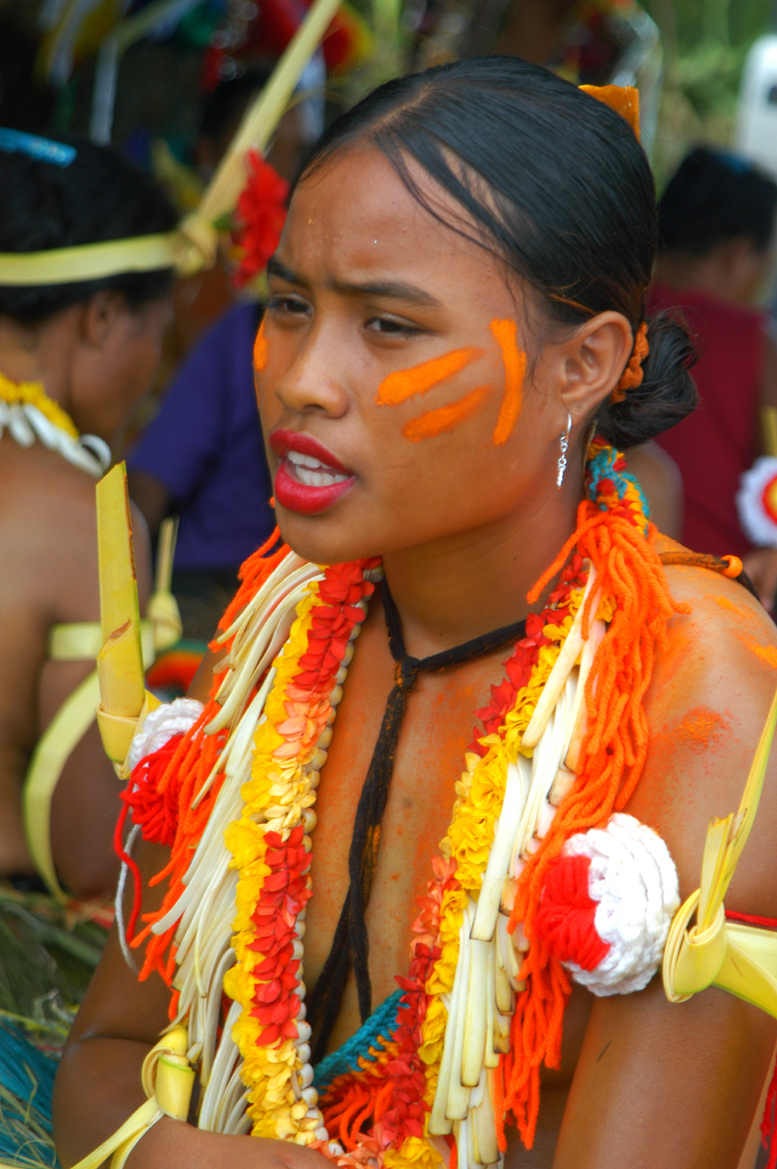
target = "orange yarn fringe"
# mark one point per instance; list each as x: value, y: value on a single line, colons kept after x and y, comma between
x: 628, y: 570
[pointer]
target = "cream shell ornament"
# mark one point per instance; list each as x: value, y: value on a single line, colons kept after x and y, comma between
x: 172, y: 718
x: 757, y: 501
x: 611, y: 935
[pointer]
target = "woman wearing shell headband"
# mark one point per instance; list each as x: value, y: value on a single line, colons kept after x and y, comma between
x: 456, y: 303
x: 86, y: 271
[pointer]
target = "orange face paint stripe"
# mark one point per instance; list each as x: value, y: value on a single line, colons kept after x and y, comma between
x: 406, y: 383
x: 260, y: 349
x: 505, y: 334
x: 433, y: 422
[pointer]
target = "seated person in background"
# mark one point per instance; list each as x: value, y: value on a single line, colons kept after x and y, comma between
x: 659, y: 478
x: 716, y: 222
x: 74, y: 359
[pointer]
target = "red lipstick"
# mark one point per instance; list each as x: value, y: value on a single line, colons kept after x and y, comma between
x: 283, y: 441
x: 309, y: 478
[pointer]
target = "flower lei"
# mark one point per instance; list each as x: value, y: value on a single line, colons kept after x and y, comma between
x: 28, y: 413
x: 384, y: 1106
x: 271, y: 850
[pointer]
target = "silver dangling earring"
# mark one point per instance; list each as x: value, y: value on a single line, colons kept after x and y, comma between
x: 563, y: 443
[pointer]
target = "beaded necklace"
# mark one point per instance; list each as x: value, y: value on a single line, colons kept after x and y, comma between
x: 29, y: 414
x: 456, y: 1056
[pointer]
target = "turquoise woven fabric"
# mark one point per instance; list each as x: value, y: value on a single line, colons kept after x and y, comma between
x: 26, y: 1086
x: 377, y: 1029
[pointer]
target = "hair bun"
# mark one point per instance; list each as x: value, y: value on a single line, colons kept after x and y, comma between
x: 666, y: 395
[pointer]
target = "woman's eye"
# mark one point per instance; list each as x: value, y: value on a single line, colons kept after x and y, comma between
x: 391, y: 327
x: 285, y: 305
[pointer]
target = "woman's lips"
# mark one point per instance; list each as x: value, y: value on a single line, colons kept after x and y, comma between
x: 309, y: 478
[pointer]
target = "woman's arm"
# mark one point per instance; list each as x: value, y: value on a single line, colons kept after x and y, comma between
x: 98, y: 1080
x: 675, y: 1086
x: 663, y: 1086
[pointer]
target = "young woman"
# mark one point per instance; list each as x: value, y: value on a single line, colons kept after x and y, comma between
x: 457, y: 300
x: 76, y: 354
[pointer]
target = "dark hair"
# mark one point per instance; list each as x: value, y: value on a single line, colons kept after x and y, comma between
x: 558, y: 188
x: 715, y: 196
x: 98, y: 196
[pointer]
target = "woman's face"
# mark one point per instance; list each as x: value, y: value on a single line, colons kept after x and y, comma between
x: 391, y: 373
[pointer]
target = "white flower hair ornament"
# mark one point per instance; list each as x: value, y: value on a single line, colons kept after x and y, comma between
x: 607, y: 904
x: 757, y: 501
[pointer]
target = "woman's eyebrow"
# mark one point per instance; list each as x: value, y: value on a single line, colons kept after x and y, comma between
x: 276, y: 267
x: 391, y: 289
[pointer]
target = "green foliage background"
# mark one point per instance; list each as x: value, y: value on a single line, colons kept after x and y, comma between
x: 705, y: 44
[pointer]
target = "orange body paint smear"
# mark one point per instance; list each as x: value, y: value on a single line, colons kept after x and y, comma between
x: 701, y: 728
x: 434, y: 422
x: 767, y: 653
x: 406, y: 383
x: 730, y: 606
x: 505, y: 334
x: 260, y: 349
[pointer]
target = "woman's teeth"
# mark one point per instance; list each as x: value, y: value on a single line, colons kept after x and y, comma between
x: 311, y: 472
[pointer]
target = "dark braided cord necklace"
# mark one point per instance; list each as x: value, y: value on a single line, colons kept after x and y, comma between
x: 349, y: 945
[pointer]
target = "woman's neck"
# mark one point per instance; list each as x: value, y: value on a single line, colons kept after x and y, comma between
x: 457, y: 588
x: 37, y: 354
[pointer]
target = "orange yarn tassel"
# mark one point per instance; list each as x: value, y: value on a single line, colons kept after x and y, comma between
x: 612, y: 757
x: 253, y: 573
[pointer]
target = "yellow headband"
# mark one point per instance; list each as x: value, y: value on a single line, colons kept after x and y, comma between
x: 142, y: 253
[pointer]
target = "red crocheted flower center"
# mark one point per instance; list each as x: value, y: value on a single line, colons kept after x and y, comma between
x: 565, y: 919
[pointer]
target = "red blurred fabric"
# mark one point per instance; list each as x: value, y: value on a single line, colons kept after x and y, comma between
x: 715, y: 444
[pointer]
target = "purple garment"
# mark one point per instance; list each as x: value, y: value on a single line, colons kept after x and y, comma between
x: 205, y: 446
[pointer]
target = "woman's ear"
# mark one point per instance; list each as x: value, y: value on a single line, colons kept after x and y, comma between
x: 100, y: 314
x: 593, y: 359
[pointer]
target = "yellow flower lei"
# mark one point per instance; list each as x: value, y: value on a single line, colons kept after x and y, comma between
x: 28, y: 413
x: 479, y: 797
x: 33, y: 394
x: 277, y: 798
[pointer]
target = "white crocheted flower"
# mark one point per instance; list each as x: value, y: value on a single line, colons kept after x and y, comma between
x: 159, y: 725
x: 608, y: 903
x: 757, y: 501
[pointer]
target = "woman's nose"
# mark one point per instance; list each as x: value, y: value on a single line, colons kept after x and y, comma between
x: 312, y: 381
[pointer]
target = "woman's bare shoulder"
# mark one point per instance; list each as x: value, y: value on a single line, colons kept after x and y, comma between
x: 44, y: 498
x: 712, y: 685
x: 725, y: 606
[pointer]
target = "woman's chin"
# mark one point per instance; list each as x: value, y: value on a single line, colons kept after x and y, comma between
x: 319, y: 540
